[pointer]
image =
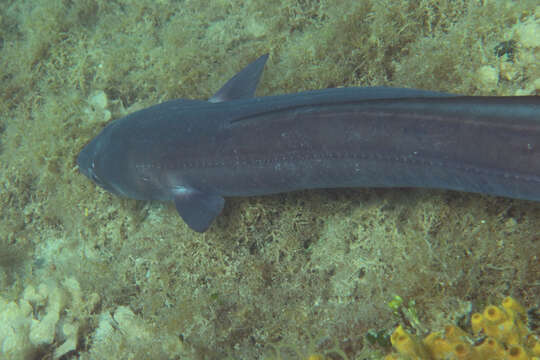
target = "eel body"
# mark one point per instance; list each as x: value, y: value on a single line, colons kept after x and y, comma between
x: 197, y: 152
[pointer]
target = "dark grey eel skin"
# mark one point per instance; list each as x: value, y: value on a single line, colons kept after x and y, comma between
x: 197, y: 152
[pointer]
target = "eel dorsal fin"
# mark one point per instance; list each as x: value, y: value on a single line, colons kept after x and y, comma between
x: 243, y: 84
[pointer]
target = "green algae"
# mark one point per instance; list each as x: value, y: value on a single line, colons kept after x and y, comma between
x: 272, y: 269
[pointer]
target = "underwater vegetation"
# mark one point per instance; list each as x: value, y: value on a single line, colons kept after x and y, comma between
x: 498, y: 332
x: 86, y: 275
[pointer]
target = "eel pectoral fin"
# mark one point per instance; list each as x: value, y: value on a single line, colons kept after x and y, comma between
x: 198, y: 209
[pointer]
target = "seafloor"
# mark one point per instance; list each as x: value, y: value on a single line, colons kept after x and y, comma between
x: 85, y: 274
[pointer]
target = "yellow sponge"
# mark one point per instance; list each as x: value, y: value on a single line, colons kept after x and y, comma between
x: 407, y: 344
x: 453, y: 333
x: 516, y: 352
x: 494, y: 315
x: 490, y: 349
x: 477, y: 322
x: 463, y: 351
x: 533, y: 343
x: 506, y: 337
x: 505, y: 323
x: 511, y: 304
x: 439, y: 347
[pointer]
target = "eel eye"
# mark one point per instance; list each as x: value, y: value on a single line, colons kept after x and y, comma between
x: 93, y: 173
